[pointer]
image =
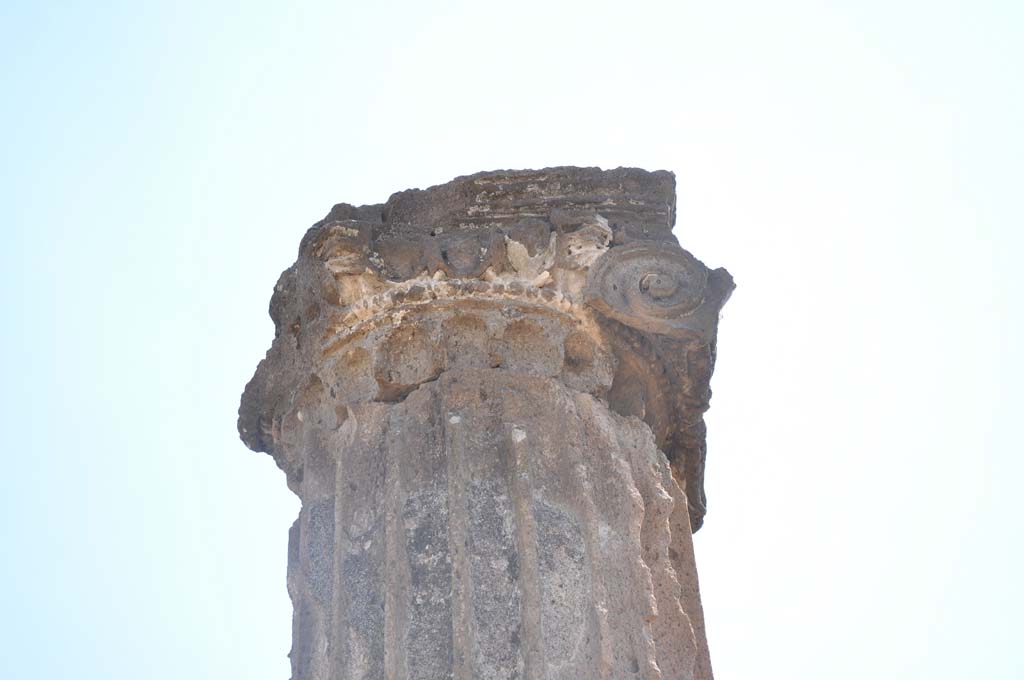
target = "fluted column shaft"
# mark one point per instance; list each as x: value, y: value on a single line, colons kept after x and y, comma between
x: 494, y: 525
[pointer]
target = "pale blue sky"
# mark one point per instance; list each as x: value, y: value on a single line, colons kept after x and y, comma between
x: 856, y: 165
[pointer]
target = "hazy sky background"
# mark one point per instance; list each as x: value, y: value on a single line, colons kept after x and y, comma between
x: 856, y: 165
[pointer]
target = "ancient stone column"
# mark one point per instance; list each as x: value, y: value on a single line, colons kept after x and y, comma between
x: 489, y: 396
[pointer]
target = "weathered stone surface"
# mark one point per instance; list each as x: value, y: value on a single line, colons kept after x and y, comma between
x: 489, y: 396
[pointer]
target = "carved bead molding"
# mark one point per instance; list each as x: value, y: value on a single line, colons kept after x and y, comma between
x: 571, y: 274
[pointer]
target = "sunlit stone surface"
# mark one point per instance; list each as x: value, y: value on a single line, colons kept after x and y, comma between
x: 489, y: 396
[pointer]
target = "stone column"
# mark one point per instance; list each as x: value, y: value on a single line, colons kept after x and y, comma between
x: 489, y: 396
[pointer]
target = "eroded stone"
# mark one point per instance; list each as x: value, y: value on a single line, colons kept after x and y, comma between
x: 489, y: 395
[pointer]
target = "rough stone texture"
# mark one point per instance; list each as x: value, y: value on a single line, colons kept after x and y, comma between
x: 489, y: 396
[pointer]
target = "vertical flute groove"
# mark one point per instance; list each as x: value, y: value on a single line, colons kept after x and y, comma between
x: 462, y: 633
x: 532, y: 649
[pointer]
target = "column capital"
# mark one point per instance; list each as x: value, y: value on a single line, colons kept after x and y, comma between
x: 566, y: 273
